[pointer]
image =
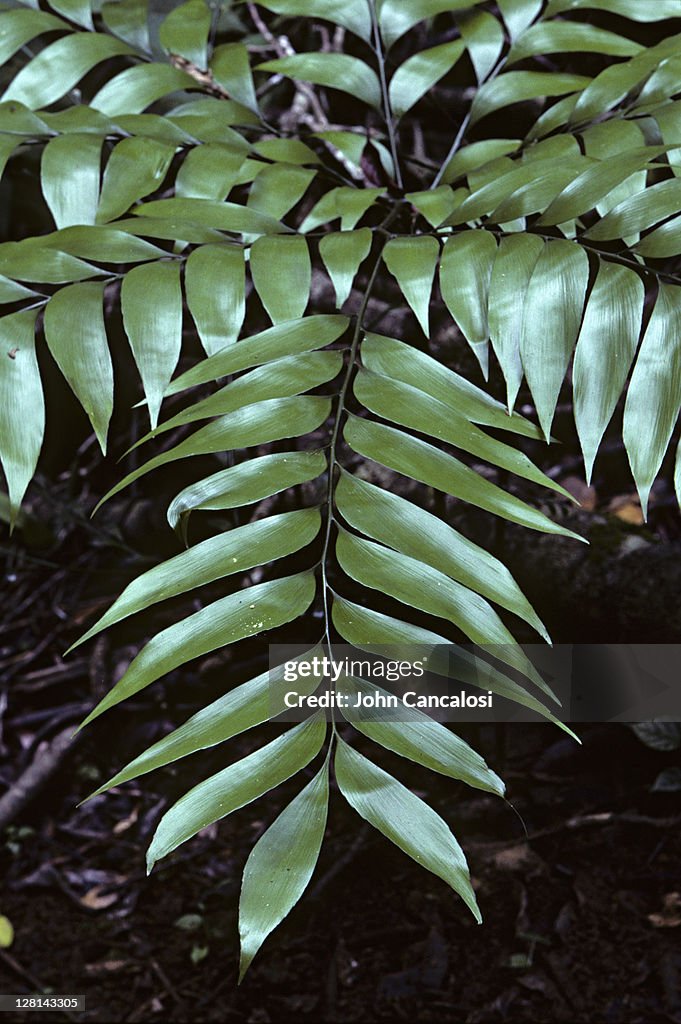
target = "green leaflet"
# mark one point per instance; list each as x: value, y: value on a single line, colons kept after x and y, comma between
x: 185, y: 32
x: 10, y: 291
x: 69, y: 178
x: 244, y: 613
x: 232, y: 70
x: 412, y: 262
x: 570, y: 37
x: 638, y: 212
x: 77, y: 10
x: 419, y: 738
x: 421, y: 461
x: 484, y: 39
x: 396, y: 17
x: 223, y: 216
x: 278, y: 188
x: 32, y: 259
x: 664, y: 241
x: 209, y: 172
x: 404, y: 819
x: 403, y: 362
x: 409, y: 406
x: 280, y: 866
x: 419, y: 73
x: 584, y: 192
x: 518, y: 14
x: 284, y: 294
x: 154, y: 330
x: 371, y: 631
x: 334, y: 70
x: 418, y: 585
x: 475, y: 155
x: 22, y: 25
x: 343, y: 252
x: 465, y: 272
x: 256, y: 424
x: 128, y: 20
x: 135, y: 168
x: 236, y: 786
x: 654, y: 397
x: 100, y: 242
x: 435, y: 204
x: 393, y: 520
x: 287, y: 339
x: 136, y: 88
x: 352, y: 14
x: 511, y: 273
x: 240, y: 709
x: 553, y: 311
x: 58, y: 67
x: 631, y: 9
x: 22, y: 408
x: 246, y: 483
x: 605, y: 350
x: 215, y: 282
x: 282, y: 378
x: 76, y: 337
x: 516, y: 86
x: 233, y: 551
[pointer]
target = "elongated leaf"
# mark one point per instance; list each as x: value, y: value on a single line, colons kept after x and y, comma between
x: 223, y: 216
x: 284, y: 294
x: 22, y: 25
x: 22, y: 408
x: 303, y: 335
x: 638, y: 212
x: 334, y: 70
x: 215, y: 281
x: 136, y: 88
x: 421, y: 461
x: 247, y: 483
x: 136, y: 167
x: 420, y: 586
x: 128, y: 20
x: 257, y: 424
x: 664, y: 241
x: 517, y: 86
x: 76, y: 337
x: 245, y: 613
x: 280, y: 866
x: 154, y: 329
x: 631, y: 9
x: 654, y: 398
x: 372, y: 631
x: 103, y: 243
x: 403, y: 362
x: 418, y: 737
x: 553, y: 312
x: 570, y: 37
x: 234, y: 551
x: 420, y: 72
x: 396, y: 17
x: 352, y: 14
x: 231, y: 69
x: 10, y: 291
x: 584, y: 192
x: 60, y: 66
x: 282, y: 378
x: 465, y: 272
x: 409, y: 406
x: 33, y: 260
x: 435, y: 204
x: 484, y: 39
x: 185, y: 32
x: 209, y: 172
x: 278, y: 188
x: 518, y: 14
x: 412, y: 262
x: 511, y: 273
x: 404, y: 526
x: 343, y: 252
x: 236, y: 786
x: 475, y: 155
x: 404, y: 819
x: 605, y: 350
x: 244, y: 707
x: 69, y: 178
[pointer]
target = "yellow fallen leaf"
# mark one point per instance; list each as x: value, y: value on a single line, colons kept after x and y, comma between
x: 6, y: 932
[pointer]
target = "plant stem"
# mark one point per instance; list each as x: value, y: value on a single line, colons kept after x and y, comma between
x: 387, y: 110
